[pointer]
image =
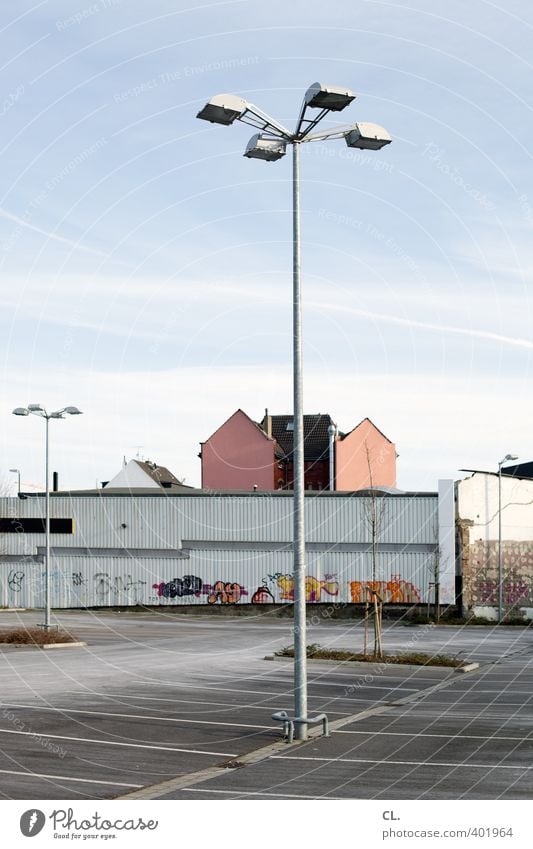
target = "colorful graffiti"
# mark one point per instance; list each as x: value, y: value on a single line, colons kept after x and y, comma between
x: 314, y: 588
x: 262, y: 595
x: 225, y: 593
x: 179, y: 587
x: 394, y: 591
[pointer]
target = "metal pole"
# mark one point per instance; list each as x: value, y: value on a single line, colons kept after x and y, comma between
x: 300, y: 657
x: 500, y: 565
x: 47, y: 534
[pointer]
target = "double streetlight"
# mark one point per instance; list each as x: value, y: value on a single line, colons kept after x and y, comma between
x: 270, y: 144
x: 37, y: 410
x: 506, y: 459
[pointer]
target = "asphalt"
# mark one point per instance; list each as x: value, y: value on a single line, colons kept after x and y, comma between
x: 174, y: 708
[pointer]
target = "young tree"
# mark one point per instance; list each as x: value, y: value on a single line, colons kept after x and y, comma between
x: 374, y: 517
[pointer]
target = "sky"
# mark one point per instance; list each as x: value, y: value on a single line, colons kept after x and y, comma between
x: 145, y: 265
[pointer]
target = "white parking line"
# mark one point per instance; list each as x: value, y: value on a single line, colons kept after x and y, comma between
x: 136, y: 716
x: 228, y: 705
x: 287, y: 692
x: 256, y: 793
x: 67, y: 778
x: 399, y: 763
x: 114, y: 743
x: 445, y: 736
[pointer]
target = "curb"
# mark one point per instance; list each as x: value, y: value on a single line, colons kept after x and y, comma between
x: 19, y: 646
x: 377, y: 665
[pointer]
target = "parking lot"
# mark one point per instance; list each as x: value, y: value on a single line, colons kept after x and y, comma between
x: 166, y: 706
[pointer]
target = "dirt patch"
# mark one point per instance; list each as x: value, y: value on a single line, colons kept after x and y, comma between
x: 316, y: 652
x: 35, y: 636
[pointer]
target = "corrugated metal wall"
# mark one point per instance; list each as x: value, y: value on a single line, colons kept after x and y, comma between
x: 215, y: 565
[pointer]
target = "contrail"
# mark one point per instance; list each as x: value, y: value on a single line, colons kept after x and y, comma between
x: 76, y: 245
x: 516, y: 341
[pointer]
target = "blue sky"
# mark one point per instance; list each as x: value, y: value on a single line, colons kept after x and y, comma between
x: 146, y: 265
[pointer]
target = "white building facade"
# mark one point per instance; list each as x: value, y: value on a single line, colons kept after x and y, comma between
x: 478, y: 531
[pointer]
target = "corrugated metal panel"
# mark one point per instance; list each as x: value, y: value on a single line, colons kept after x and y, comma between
x: 144, y: 522
x: 159, y: 523
x: 214, y: 577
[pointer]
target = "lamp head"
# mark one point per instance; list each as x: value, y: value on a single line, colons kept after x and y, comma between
x: 35, y: 408
x: 265, y: 147
x: 223, y: 109
x: 73, y: 411
x: 21, y: 411
x: 333, y: 98
x: 368, y: 137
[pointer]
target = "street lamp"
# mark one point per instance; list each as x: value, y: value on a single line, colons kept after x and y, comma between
x: 17, y: 472
x: 37, y: 410
x: 506, y: 459
x: 270, y: 144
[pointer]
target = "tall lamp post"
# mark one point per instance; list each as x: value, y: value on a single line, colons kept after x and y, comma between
x: 17, y: 473
x: 506, y: 459
x: 37, y: 410
x: 270, y: 144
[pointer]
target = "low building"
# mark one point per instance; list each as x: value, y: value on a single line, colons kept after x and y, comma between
x: 144, y: 474
x: 478, y: 514
x: 160, y: 547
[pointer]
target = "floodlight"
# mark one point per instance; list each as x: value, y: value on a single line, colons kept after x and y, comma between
x: 368, y: 137
x: 265, y: 147
x: 223, y: 109
x: 334, y: 98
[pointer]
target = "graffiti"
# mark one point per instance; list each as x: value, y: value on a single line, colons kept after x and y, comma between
x: 262, y: 595
x: 512, y: 592
x: 105, y: 584
x: 394, y: 591
x: 77, y: 579
x: 313, y: 588
x: 179, y: 587
x: 14, y: 580
x: 225, y: 593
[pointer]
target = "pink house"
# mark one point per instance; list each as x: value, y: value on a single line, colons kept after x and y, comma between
x: 364, y: 457
x: 239, y: 455
x: 246, y: 455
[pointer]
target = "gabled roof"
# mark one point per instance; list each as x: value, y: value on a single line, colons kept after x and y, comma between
x: 255, y: 424
x: 366, y: 419
x: 160, y: 474
x: 316, y: 438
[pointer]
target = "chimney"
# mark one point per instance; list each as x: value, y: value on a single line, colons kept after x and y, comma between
x: 268, y: 424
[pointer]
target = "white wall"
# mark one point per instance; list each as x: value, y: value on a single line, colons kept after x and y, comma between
x: 477, y: 499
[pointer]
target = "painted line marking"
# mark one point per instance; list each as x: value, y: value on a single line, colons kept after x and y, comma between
x: 257, y: 793
x: 287, y: 693
x: 114, y: 743
x: 445, y: 736
x: 138, y: 716
x: 68, y: 778
x: 398, y: 763
x: 228, y: 705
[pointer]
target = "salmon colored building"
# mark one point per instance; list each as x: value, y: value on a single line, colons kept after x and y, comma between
x: 246, y: 455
